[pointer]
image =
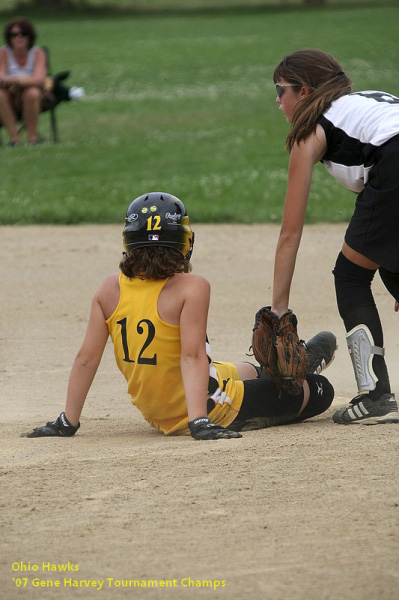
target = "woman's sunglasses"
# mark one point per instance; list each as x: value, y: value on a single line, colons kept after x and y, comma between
x: 20, y: 33
x: 280, y: 88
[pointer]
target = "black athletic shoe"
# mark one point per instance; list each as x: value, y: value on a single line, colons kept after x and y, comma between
x: 365, y: 411
x: 321, y: 351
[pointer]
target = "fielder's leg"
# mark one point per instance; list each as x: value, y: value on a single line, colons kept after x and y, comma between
x: 375, y: 403
x: 391, y: 282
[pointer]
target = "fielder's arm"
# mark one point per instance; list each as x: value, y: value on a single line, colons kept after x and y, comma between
x: 302, y: 159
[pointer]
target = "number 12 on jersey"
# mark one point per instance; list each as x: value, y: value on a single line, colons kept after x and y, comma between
x: 150, y: 331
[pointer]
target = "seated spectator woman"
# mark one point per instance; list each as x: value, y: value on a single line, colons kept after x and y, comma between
x: 22, y: 78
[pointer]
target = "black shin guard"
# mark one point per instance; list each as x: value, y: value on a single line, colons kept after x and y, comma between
x: 357, y: 307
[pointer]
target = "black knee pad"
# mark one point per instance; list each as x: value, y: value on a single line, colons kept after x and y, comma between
x: 391, y: 282
x: 352, y: 285
x: 320, y: 399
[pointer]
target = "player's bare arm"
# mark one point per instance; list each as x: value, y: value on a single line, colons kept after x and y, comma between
x: 195, y: 298
x: 194, y: 361
x: 3, y: 64
x: 83, y: 370
x: 302, y: 159
x: 89, y: 356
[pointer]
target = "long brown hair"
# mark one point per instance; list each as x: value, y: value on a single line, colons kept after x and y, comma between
x: 155, y: 262
x: 323, y: 75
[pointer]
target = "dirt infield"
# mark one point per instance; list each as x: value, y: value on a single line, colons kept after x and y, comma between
x: 301, y: 512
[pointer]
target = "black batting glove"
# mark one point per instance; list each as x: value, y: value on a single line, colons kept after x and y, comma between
x: 203, y: 429
x: 61, y: 427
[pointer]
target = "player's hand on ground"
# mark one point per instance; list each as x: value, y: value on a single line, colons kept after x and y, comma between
x: 203, y: 429
x: 61, y: 427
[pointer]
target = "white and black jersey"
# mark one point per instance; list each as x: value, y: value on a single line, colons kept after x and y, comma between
x: 355, y: 126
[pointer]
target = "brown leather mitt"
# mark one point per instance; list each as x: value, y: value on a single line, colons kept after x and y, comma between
x: 278, y: 349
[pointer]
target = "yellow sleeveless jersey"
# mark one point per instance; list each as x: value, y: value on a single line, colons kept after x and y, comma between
x: 147, y: 352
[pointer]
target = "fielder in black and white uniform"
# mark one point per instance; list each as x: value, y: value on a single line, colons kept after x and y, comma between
x: 362, y: 134
x: 356, y: 136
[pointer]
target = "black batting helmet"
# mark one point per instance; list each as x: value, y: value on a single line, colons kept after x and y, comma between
x: 158, y: 219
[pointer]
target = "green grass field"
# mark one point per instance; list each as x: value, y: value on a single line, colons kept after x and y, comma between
x: 185, y: 104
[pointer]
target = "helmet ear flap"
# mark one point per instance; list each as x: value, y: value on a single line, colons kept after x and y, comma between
x: 189, y: 253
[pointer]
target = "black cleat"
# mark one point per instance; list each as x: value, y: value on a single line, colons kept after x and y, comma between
x: 321, y: 351
x: 364, y: 410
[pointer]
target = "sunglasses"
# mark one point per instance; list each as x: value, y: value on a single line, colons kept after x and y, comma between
x: 19, y: 34
x: 280, y: 88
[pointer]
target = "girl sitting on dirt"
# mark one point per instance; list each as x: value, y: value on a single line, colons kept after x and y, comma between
x: 356, y: 136
x: 156, y: 313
